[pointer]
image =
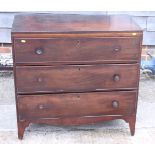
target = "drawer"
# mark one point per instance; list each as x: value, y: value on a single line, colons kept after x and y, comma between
x: 76, y: 51
x: 76, y: 104
x: 76, y: 78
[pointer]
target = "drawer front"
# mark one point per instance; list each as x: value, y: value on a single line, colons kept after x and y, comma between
x: 76, y: 104
x: 76, y: 51
x: 76, y: 78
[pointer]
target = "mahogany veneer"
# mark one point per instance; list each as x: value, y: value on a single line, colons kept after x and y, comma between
x: 75, y: 69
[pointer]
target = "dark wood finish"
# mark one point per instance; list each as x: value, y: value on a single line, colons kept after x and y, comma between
x: 77, y: 35
x: 76, y: 50
x: 48, y: 23
x: 77, y: 78
x: 132, y: 120
x: 76, y: 104
x: 75, y: 69
x: 22, y: 124
x: 69, y: 121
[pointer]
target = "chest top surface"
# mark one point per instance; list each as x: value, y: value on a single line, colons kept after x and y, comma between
x: 72, y: 23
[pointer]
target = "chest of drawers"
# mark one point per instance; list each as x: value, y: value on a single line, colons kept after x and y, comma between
x: 75, y: 69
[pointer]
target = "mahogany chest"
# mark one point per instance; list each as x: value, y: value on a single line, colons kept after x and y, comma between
x: 75, y: 69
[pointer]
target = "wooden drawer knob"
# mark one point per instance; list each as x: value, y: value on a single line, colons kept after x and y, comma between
x: 115, y: 104
x: 39, y: 79
x: 41, y: 107
x: 39, y: 51
x: 117, y: 49
x: 116, y: 77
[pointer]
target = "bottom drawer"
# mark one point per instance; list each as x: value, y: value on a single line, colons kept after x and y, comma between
x: 76, y: 104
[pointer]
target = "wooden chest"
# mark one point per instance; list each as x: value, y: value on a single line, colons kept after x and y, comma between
x: 75, y: 69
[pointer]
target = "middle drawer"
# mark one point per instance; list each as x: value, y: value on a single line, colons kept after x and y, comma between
x: 76, y: 78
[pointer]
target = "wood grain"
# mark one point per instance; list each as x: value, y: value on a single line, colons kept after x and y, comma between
x: 76, y: 50
x: 75, y: 78
x: 65, y: 23
x: 75, y: 69
x: 76, y: 104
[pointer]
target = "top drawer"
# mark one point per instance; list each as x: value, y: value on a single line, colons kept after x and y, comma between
x: 76, y: 50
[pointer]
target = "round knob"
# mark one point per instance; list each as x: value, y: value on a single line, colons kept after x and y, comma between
x: 41, y: 107
x: 39, y: 79
x: 39, y: 51
x: 116, y: 77
x: 78, y: 96
x: 115, y: 104
x: 117, y: 49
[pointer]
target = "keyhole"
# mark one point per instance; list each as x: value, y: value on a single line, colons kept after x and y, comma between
x: 78, y: 44
x: 79, y: 69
